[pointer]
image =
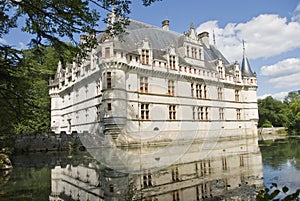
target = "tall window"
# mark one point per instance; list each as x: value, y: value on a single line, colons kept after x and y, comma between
x: 220, y: 93
x: 201, y: 112
x: 172, y: 62
x: 144, y: 84
x: 193, y: 52
x: 147, y: 179
x: 108, y: 106
x: 204, y: 167
x: 98, y: 87
x: 206, y: 113
x: 86, y: 87
x: 200, y: 54
x: 108, y: 80
x: 220, y: 70
x: 175, y: 175
x: 237, y: 76
x: 238, y: 114
x: 145, y: 57
x: 86, y: 115
x: 107, y: 52
x: 201, y: 91
x: 176, y: 196
x: 171, y: 87
x: 224, y: 163
x: 194, y: 113
x: 205, y: 91
x: 192, y: 90
x: 144, y: 111
x: 237, y: 95
x: 198, y: 91
x: 172, y: 112
x: 242, y: 162
x: 221, y: 113
x: 98, y: 113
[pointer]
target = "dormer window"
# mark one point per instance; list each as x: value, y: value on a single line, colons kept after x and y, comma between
x: 220, y: 70
x: 107, y: 52
x: 237, y: 76
x: 187, y: 51
x: 145, y: 57
x: 200, y: 54
x: 172, y: 62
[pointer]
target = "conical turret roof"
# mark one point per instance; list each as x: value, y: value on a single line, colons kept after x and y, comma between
x: 246, y: 69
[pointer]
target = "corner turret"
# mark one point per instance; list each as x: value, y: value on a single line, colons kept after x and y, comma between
x: 246, y: 69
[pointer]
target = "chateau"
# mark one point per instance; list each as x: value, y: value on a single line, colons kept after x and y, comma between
x: 153, y: 84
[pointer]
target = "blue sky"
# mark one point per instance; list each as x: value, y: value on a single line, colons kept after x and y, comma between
x: 270, y: 28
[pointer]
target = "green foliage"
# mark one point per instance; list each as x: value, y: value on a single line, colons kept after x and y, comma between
x: 27, y: 184
x: 27, y: 109
x: 281, y: 114
x: 266, y: 124
x: 273, y: 111
x: 24, y: 74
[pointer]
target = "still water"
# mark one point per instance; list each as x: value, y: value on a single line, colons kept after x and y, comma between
x: 220, y: 170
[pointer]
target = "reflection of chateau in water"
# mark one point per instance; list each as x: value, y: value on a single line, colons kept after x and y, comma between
x: 228, y: 169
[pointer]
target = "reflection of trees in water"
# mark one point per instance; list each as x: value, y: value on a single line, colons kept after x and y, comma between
x: 281, y: 152
x: 27, y: 183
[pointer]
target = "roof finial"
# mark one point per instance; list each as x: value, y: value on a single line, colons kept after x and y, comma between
x: 244, y: 47
x: 214, y: 37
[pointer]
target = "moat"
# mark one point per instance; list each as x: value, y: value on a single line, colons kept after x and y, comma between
x: 207, y: 171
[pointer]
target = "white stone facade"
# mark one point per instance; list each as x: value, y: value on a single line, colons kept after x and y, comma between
x: 156, y: 85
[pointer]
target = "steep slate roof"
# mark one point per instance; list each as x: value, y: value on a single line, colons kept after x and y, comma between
x: 246, y: 70
x: 137, y: 32
x: 160, y: 40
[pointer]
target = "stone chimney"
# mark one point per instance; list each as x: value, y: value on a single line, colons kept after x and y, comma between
x: 204, y: 38
x: 165, y: 25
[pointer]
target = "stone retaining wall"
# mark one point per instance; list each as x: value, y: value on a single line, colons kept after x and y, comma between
x: 46, y: 142
x: 272, y: 130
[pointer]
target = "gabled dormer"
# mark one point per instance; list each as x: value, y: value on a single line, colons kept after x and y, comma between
x: 172, y: 58
x: 237, y: 72
x: 220, y: 67
x: 191, y: 34
x: 145, y: 52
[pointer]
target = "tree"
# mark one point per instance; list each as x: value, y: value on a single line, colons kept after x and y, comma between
x: 50, y: 22
x: 293, y: 100
x: 277, y: 113
x: 273, y: 111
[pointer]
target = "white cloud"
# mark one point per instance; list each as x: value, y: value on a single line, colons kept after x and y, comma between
x: 284, y: 67
x: 3, y: 41
x: 278, y: 96
x: 266, y: 35
x: 286, y: 81
x: 284, y: 74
